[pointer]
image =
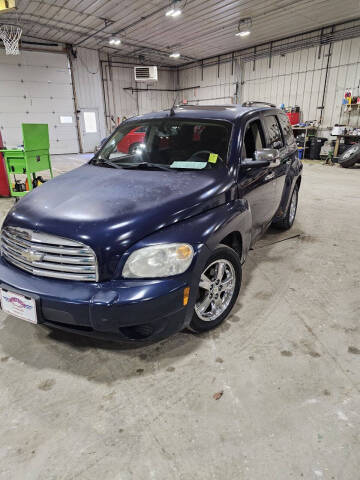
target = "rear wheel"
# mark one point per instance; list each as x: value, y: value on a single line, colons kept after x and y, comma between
x: 218, y: 289
x: 288, y: 220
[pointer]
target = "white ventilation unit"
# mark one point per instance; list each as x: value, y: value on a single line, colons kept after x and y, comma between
x: 146, y: 74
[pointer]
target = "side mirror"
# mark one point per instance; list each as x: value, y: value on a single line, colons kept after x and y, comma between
x: 266, y: 154
x: 250, y: 163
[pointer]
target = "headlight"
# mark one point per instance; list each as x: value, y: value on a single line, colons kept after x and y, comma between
x: 159, y: 261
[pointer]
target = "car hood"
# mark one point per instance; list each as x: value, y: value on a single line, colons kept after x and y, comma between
x: 111, y: 209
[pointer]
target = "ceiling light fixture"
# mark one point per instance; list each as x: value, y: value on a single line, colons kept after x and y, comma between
x: 244, y: 27
x: 174, y: 55
x: 244, y: 33
x: 114, y: 41
x: 174, y: 10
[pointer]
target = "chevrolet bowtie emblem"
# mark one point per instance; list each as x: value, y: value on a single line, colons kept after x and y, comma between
x: 32, y: 256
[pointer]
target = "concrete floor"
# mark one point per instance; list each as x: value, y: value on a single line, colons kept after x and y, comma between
x: 287, y: 361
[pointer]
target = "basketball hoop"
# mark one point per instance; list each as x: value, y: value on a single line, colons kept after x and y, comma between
x: 10, y: 35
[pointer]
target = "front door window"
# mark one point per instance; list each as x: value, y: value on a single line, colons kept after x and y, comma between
x: 253, y: 139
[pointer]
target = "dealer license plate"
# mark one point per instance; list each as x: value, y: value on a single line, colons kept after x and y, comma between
x: 18, y: 306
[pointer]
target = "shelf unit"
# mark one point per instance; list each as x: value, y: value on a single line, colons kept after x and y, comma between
x: 307, y: 131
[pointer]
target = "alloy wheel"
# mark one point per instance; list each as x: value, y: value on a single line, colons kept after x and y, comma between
x: 216, y: 290
x: 293, y: 205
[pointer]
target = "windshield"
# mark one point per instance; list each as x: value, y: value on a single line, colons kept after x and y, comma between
x: 166, y: 144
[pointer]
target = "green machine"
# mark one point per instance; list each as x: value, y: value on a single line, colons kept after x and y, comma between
x: 32, y: 159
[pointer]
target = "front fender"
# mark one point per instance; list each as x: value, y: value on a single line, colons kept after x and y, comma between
x: 206, y: 229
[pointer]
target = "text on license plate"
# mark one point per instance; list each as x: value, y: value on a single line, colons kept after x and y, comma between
x: 18, y: 305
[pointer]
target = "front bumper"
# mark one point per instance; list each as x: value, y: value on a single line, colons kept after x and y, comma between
x: 125, y: 310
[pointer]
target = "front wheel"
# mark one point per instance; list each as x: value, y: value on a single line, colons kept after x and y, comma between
x: 218, y: 289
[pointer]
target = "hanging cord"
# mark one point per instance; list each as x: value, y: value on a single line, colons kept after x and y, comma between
x: 86, y: 67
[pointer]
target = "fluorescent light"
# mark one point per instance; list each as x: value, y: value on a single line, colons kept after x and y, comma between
x: 174, y: 55
x: 114, y: 41
x: 244, y: 27
x: 173, y: 12
x: 176, y: 12
x: 244, y: 33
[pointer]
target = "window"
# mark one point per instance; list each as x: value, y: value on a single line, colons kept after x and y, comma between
x: 286, y: 129
x: 172, y: 142
x: 253, y: 139
x: 90, y: 122
x: 274, y: 132
x: 66, y: 119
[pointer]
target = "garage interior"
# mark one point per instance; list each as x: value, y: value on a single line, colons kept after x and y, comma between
x: 274, y: 392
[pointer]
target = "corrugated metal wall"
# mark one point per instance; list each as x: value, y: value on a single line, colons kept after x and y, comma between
x: 126, y: 103
x: 87, y: 78
x: 344, y: 72
x: 213, y: 85
x: 296, y: 75
x: 35, y: 87
x: 298, y: 78
x: 294, y: 78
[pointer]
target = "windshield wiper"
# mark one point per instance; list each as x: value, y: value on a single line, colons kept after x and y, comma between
x: 99, y: 161
x: 133, y: 165
x: 108, y: 162
x: 146, y: 165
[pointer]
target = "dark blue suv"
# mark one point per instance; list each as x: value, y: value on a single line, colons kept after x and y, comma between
x: 137, y: 246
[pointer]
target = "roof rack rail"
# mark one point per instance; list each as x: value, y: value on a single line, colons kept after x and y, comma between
x: 253, y: 103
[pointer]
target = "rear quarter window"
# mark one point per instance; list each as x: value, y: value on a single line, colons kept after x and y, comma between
x: 274, y: 133
x: 286, y: 129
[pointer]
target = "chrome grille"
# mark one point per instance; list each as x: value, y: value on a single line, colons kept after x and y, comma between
x: 48, y: 255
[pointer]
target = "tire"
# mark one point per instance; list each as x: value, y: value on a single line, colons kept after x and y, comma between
x: 350, y: 156
x: 287, y: 222
x: 205, y: 319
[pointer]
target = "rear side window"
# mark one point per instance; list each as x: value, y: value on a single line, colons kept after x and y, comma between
x: 274, y: 132
x: 287, y: 129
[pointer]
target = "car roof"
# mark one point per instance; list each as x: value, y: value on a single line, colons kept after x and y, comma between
x: 214, y: 112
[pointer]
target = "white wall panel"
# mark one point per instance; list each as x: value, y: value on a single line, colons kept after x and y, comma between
x: 35, y: 87
x: 127, y: 103
x: 88, y: 84
x: 295, y: 78
x: 216, y: 84
x: 344, y: 73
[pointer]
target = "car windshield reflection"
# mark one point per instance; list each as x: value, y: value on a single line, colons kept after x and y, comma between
x: 167, y: 144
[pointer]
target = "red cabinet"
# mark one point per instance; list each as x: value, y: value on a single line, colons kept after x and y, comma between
x: 4, y: 184
x: 294, y: 118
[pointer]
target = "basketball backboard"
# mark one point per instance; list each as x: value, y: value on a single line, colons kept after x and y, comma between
x: 6, y: 5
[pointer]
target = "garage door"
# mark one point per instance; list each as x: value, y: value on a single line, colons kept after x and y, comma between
x: 35, y: 87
